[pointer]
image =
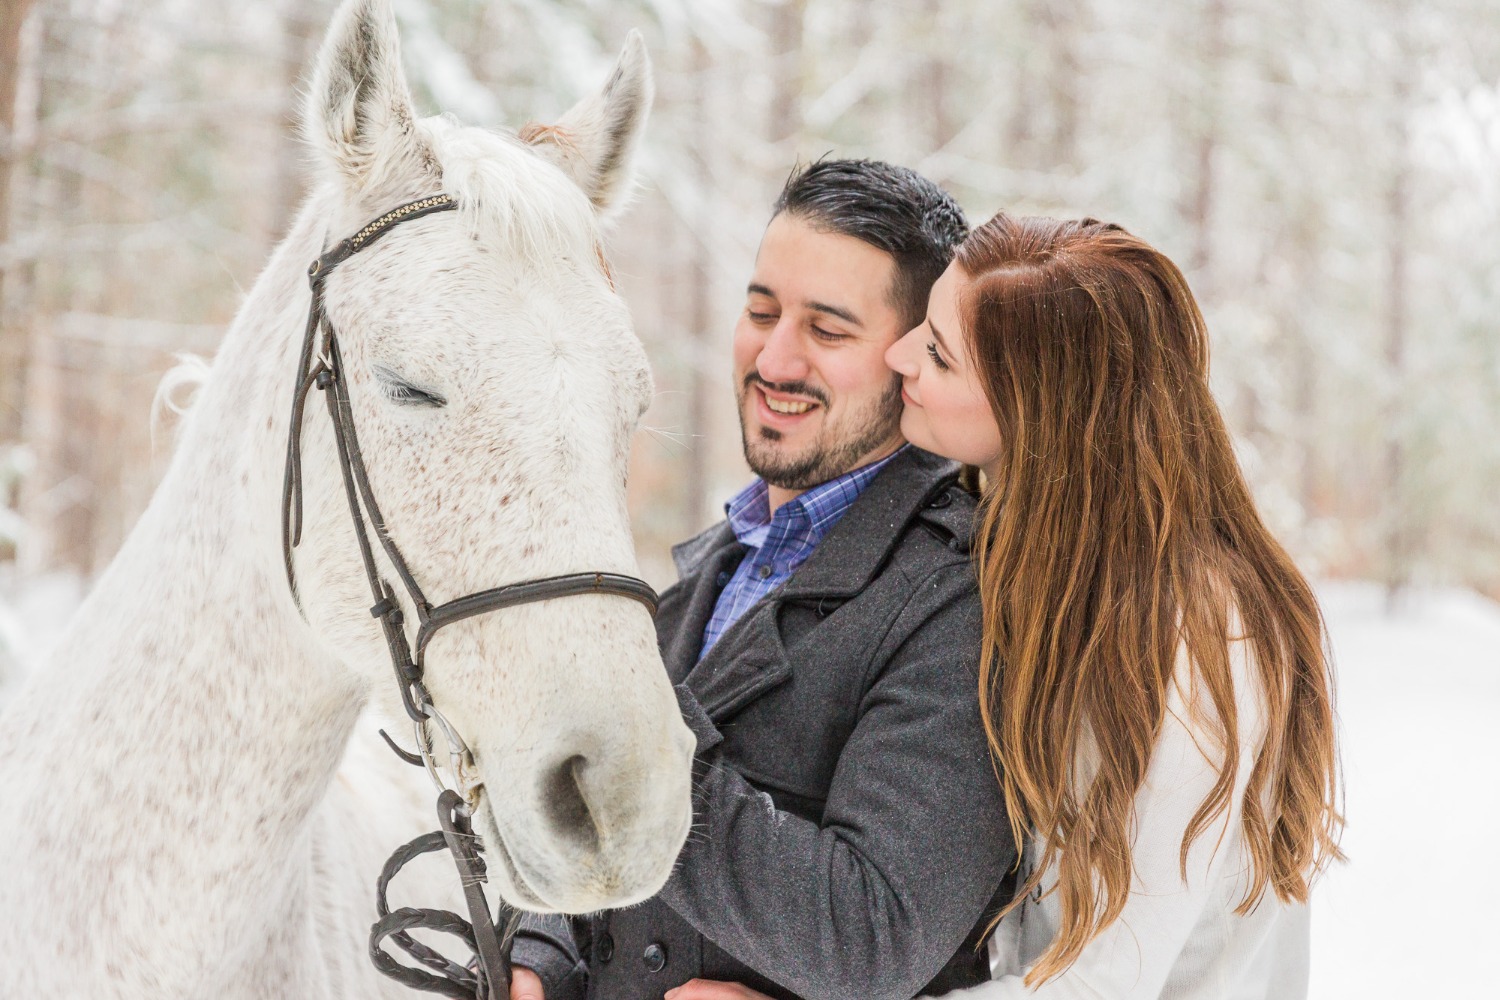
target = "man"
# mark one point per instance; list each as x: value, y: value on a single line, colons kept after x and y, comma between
x: 850, y: 837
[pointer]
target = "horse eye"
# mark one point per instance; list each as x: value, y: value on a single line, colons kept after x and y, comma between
x: 398, y: 390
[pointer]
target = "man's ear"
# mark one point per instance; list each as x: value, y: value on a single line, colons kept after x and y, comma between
x: 595, y: 142
x: 358, y: 113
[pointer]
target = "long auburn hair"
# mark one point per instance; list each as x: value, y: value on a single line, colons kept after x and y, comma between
x: 1118, y: 534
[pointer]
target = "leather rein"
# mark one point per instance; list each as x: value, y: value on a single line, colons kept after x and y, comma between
x: 320, y: 366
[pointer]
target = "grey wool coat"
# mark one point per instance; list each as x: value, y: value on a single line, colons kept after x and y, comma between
x: 850, y: 836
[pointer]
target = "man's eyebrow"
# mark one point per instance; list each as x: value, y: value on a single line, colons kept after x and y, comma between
x: 839, y: 311
x: 755, y: 288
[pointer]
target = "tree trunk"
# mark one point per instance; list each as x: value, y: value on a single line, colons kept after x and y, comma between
x: 1206, y: 141
x: 700, y: 297
x: 1020, y: 122
x: 1397, y: 506
x: 933, y: 101
x: 13, y: 335
x: 787, y: 21
x: 302, y: 27
x: 1062, y: 21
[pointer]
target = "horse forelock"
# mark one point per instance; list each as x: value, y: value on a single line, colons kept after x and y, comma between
x: 505, y: 189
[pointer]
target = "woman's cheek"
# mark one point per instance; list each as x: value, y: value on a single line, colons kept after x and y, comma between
x: 914, y: 429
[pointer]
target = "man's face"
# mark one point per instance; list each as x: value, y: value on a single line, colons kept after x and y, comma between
x: 815, y: 396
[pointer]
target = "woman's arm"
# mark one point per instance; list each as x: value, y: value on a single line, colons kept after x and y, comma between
x: 1132, y: 957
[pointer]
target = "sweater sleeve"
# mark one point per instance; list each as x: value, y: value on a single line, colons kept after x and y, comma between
x: 1132, y: 958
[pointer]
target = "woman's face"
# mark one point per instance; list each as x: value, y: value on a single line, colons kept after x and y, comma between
x: 946, y: 410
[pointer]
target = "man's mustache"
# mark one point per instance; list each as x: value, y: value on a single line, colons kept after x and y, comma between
x: 790, y: 388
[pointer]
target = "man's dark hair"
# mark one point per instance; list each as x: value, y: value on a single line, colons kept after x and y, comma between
x: 889, y: 207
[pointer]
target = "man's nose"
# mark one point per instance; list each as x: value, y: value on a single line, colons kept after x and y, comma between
x: 783, y: 358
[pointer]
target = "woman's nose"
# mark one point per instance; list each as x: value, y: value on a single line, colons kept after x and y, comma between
x: 898, y: 357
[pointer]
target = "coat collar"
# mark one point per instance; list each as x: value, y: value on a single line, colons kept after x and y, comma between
x: 690, y: 555
x: 863, y: 540
x: 847, y: 560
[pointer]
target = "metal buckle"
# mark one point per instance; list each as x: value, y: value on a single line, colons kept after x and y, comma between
x: 460, y: 758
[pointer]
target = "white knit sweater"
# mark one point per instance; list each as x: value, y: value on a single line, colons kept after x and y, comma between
x: 1174, y: 940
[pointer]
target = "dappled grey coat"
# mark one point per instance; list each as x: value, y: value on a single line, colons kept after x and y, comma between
x: 850, y: 836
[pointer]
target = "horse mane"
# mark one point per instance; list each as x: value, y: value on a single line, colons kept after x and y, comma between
x: 177, y: 391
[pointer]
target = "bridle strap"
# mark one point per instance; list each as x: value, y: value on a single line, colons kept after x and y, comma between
x: 530, y: 592
x: 492, y: 949
x: 308, y: 373
x: 320, y: 365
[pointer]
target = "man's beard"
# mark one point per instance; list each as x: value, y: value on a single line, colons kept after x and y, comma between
x: 835, y: 449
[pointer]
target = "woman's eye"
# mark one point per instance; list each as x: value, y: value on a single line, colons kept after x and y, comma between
x: 937, y: 359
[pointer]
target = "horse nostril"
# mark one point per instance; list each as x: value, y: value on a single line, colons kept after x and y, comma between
x: 564, y: 805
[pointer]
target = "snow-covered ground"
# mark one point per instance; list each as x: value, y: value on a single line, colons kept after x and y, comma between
x: 1416, y: 911
x: 31, y: 620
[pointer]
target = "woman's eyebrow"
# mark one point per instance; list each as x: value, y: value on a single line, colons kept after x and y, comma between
x: 938, y: 334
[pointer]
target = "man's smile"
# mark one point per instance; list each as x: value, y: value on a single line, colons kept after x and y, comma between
x: 782, y: 410
x: 781, y: 407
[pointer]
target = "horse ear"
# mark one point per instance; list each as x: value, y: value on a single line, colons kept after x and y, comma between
x: 358, y: 113
x: 595, y: 142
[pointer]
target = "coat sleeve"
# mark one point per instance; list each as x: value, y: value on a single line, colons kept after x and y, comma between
x: 913, y: 845
x: 544, y: 944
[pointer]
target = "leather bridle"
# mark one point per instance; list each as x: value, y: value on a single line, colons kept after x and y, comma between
x: 320, y: 366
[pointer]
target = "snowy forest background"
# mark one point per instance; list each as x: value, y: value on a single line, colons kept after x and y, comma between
x: 1328, y: 174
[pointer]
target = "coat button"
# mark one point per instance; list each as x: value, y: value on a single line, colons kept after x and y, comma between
x: 942, y: 500
x: 655, y: 957
x: 605, y: 949
x: 722, y: 580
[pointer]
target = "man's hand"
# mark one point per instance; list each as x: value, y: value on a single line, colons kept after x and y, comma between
x: 710, y: 989
x: 525, y: 984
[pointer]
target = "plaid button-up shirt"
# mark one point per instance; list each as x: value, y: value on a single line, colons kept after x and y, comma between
x: 777, y: 545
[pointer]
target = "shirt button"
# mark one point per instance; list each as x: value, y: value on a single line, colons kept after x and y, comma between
x: 605, y: 948
x: 655, y: 957
x: 765, y: 570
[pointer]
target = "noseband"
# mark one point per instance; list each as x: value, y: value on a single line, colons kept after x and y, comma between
x: 320, y: 366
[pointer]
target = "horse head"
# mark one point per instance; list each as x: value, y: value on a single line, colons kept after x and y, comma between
x: 494, y: 380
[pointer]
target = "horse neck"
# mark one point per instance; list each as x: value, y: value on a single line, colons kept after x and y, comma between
x: 212, y: 533
x: 214, y: 723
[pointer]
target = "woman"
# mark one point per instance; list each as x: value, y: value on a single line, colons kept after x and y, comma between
x: 1154, y: 682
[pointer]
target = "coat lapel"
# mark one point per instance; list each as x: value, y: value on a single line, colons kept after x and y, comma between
x: 750, y: 658
x: 862, y: 542
x: 687, y: 605
x: 747, y: 661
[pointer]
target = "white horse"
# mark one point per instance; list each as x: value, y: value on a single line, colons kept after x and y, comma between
x: 174, y: 819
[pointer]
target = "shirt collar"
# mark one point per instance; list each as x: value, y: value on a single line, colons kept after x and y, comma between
x: 749, y: 510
